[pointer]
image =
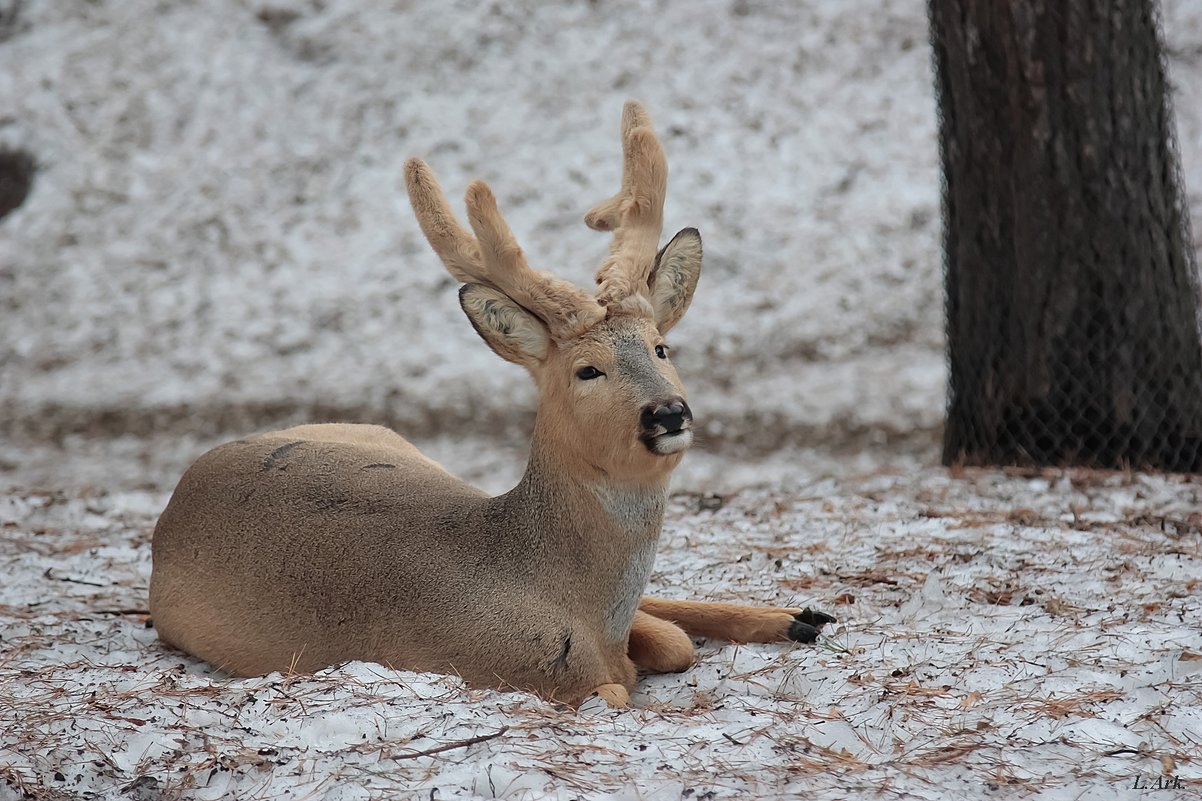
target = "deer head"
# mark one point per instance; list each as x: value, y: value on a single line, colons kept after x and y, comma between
x: 610, y: 402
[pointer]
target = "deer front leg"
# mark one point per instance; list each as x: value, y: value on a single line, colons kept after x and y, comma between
x: 736, y: 622
x: 615, y: 695
x: 659, y: 646
x: 619, y: 678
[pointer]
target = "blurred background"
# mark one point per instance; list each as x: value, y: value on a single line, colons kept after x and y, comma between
x: 216, y: 238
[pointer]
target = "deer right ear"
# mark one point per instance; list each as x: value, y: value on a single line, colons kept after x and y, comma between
x: 674, y: 277
x: 513, y: 333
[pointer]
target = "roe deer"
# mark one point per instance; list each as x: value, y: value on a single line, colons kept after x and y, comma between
x: 321, y: 544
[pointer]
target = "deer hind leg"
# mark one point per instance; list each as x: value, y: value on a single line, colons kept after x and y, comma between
x: 738, y: 623
x: 659, y: 646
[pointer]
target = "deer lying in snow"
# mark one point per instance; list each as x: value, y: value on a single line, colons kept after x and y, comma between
x: 321, y: 544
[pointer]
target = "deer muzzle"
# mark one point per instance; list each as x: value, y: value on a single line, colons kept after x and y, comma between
x: 666, y: 426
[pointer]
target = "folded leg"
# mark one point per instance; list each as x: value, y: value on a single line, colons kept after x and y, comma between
x: 737, y: 622
x: 658, y: 645
x: 615, y: 695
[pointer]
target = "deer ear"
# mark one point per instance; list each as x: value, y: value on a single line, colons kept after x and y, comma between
x: 674, y: 277
x: 513, y: 333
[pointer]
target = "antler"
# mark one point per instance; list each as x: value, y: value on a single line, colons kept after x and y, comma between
x: 493, y: 257
x: 635, y: 214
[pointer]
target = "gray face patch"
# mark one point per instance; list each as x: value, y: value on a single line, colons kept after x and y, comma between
x: 635, y: 365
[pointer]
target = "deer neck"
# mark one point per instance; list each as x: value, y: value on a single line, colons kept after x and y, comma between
x: 574, y: 501
x: 600, y: 533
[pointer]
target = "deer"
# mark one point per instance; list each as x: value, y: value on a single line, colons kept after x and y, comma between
x: 321, y: 544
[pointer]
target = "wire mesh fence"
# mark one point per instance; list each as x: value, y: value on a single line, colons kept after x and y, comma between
x: 1072, y: 288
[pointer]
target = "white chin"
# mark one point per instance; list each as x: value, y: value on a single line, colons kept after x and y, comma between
x: 666, y: 444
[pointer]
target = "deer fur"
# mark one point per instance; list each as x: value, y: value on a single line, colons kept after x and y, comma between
x: 319, y: 544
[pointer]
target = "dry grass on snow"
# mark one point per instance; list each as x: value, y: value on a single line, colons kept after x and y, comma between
x: 1029, y: 636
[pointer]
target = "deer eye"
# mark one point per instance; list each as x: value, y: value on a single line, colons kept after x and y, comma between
x: 661, y: 351
x: 588, y: 373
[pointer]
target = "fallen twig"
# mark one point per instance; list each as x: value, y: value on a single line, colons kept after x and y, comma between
x: 451, y: 746
x: 49, y: 574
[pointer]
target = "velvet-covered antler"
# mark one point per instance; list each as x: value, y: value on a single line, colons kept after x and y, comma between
x: 493, y: 257
x: 635, y: 214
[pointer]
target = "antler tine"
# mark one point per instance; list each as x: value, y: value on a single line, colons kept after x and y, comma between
x: 493, y: 257
x: 566, y: 309
x: 605, y: 215
x: 635, y: 214
x: 450, y: 240
x: 502, y: 254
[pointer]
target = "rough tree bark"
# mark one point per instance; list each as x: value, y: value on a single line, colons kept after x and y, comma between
x: 1072, y: 294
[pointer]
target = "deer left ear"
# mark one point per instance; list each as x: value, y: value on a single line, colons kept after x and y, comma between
x: 513, y: 333
x: 674, y: 277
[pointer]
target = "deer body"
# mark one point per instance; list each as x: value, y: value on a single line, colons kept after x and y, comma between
x: 320, y: 544
x: 332, y: 566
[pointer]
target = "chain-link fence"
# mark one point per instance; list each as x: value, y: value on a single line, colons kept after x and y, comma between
x: 1072, y: 294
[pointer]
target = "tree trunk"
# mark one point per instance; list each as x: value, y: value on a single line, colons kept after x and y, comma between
x: 1072, y: 295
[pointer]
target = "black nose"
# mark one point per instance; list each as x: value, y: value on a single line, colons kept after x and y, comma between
x: 671, y: 414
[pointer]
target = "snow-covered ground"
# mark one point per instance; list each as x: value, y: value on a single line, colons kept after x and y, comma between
x: 1000, y: 636
x: 218, y: 241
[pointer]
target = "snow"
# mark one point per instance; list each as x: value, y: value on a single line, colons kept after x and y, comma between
x: 218, y: 241
x: 1000, y: 635
x: 219, y: 231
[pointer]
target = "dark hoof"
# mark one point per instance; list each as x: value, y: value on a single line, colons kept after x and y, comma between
x: 818, y: 619
x: 802, y: 632
x: 806, y: 625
